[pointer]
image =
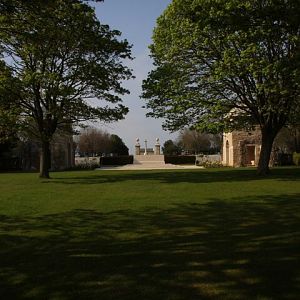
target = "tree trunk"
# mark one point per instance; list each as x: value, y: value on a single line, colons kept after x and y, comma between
x: 45, y: 163
x: 267, y: 137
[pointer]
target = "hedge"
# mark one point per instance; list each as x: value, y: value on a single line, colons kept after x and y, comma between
x: 180, y: 159
x: 116, y: 160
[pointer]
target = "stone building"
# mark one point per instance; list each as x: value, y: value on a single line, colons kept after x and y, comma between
x: 241, y: 148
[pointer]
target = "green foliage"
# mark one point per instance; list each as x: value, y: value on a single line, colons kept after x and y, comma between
x: 8, y: 123
x: 116, y: 160
x: 62, y: 57
x: 9, y: 111
x: 79, y: 58
x: 296, y: 158
x: 212, y: 164
x: 222, y: 64
x: 194, y: 142
x: 213, y: 56
x: 288, y: 139
x: 171, y: 148
x: 87, y: 165
x: 95, y: 142
x: 180, y: 159
x: 117, y: 146
x: 209, y: 161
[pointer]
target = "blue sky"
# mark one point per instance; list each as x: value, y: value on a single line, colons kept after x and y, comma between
x: 136, y: 20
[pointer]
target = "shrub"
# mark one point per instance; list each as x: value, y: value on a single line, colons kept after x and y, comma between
x: 116, y: 160
x: 84, y: 166
x: 180, y: 159
x: 209, y: 161
x: 212, y: 164
x: 296, y: 158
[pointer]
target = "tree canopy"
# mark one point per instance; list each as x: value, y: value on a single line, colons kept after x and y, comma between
x: 94, y: 142
x: 171, y: 148
x: 195, y: 142
x: 63, y: 60
x: 226, y: 64
x: 118, y: 146
x: 9, y: 111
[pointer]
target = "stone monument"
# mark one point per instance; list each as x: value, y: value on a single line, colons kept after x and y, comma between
x: 148, y: 157
x: 137, y: 147
x: 157, y: 147
x: 147, y: 151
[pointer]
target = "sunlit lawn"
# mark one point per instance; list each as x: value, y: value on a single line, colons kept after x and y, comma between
x: 198, y: 234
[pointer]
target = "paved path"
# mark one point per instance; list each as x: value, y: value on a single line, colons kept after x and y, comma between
x: 148, y: 167
x: 149, y: 162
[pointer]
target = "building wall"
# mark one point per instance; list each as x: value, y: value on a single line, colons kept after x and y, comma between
x: 227, y: 149
x: 241, y: 148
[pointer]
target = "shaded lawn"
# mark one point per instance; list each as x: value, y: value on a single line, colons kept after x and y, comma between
x: 207, y: 234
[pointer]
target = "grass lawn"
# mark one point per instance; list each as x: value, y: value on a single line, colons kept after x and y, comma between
x: 151, y: 235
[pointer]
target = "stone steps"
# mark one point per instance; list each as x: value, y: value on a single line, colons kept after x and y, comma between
x: 149, y: 159
x: 148, y: 162
x: 148, y: 167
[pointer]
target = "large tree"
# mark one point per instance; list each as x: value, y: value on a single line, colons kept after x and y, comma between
x: 226, y: 64
x: 64, y: 60
x: 197, y: 142
x: 171, y: 148
x: 117, y: 146
x: 93, y: 142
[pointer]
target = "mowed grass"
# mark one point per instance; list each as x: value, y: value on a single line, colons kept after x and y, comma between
x: 184, y: 234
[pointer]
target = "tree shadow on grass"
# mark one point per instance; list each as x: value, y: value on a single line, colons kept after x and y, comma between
x: 246, y: 249
x: 178, y: 176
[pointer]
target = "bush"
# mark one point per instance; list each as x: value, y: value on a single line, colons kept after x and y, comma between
x: 209, y: 161
x: 116, y: 160
x: 84, y: 166
x: 180, y: 159
x: 296, y: 158
x: 212, y: 164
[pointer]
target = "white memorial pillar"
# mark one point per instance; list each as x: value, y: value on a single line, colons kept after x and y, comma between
x: 157, y: 147
x: 137, y: 147
x: 145, y: 153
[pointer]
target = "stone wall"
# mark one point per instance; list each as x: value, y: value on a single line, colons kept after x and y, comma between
x: 241, y: 148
